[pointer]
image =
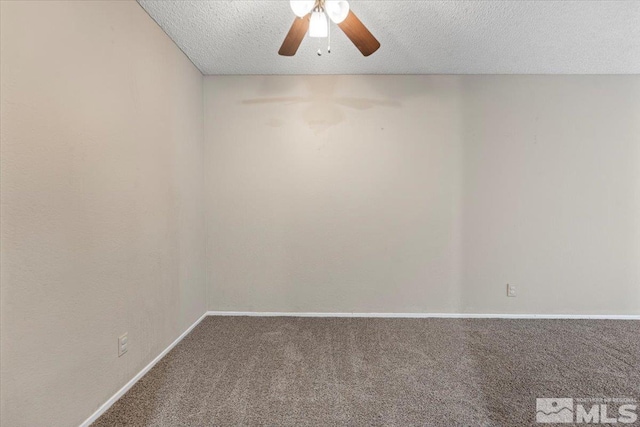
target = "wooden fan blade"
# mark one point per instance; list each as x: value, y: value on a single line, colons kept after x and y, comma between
x: 294, y: 36
x: 359, y: 34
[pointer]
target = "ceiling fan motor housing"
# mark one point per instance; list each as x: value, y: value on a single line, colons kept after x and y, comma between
x: 337, y: 10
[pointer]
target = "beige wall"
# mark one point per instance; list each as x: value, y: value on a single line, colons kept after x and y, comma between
x: 102, y: 214
x: 423, y: 193
x: 327, y: 194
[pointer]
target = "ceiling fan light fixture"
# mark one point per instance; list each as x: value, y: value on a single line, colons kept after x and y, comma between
x: 318, y: 25
x: 315, y: 23
x: 338, y: 10
x: 301, y: 7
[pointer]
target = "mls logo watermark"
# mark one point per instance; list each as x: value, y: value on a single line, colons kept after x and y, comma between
x: 568, y: 410
x: 552, y: 410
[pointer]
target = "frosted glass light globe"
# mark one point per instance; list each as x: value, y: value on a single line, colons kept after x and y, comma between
x: 301, y: 7
x: 337, y: 10
x: 318, y: 26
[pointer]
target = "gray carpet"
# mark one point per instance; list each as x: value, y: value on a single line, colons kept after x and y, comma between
x: 395, y: 372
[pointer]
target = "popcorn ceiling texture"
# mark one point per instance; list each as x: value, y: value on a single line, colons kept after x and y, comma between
x: 417, y: 37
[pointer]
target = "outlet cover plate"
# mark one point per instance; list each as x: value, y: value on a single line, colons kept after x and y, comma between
x: 123, y: 344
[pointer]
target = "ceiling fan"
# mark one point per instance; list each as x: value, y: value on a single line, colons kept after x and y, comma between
x: 311, y: 16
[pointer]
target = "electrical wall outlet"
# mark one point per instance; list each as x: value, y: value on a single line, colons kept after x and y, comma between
x: 123, y: 344
x: 511, y: 290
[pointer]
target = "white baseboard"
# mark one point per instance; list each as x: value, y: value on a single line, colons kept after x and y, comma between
x: 102, y: 409
x: 428, y: 315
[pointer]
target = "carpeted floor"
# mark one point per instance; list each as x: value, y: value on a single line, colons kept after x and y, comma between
x: 396, y: 372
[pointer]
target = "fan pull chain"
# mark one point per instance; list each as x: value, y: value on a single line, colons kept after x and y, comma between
x: 329, y: 34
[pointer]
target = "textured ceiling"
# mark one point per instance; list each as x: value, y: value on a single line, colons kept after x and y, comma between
x: 417, y: 37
